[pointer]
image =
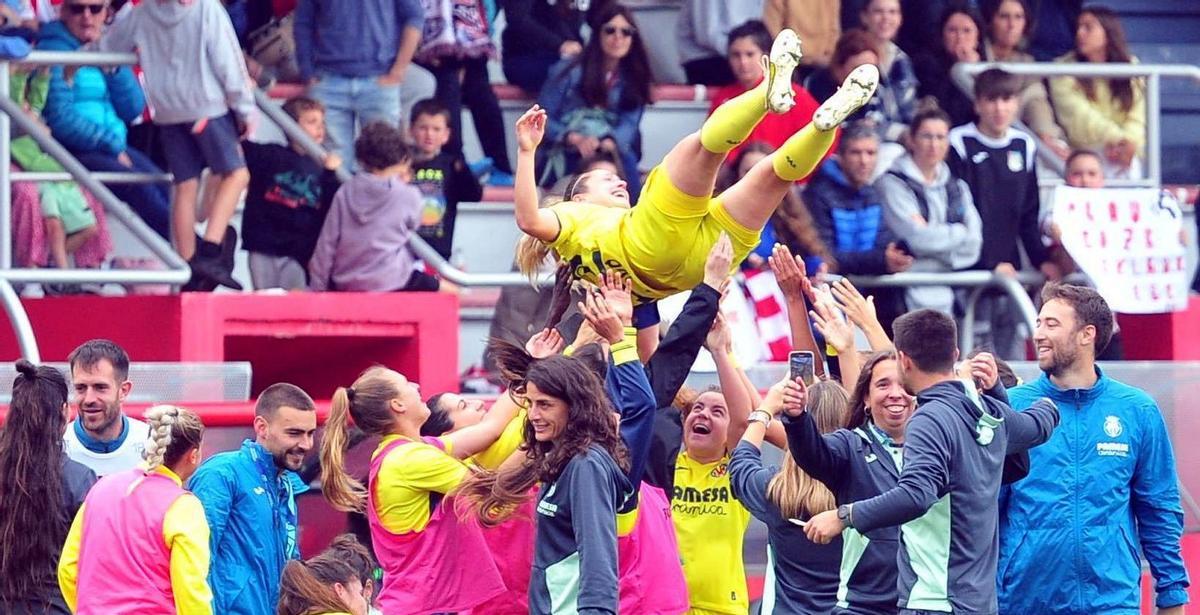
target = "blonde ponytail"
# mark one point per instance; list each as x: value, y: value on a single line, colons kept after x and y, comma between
x: 531, y: 255
x: 161, y: 419
x: 343, y: 492
x: 173, y: 432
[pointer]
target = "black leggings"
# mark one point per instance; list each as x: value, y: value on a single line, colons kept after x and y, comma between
x: 465, y: 82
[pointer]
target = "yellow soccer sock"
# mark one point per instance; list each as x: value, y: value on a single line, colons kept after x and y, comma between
x: 799, y: 155
x: 734, y: 120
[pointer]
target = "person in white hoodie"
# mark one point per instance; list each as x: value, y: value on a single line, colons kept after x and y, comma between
x: 199, y: 90
x: 930, y: 211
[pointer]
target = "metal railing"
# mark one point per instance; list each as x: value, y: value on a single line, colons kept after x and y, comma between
x: 12, y: 114
x: 1153, y: 73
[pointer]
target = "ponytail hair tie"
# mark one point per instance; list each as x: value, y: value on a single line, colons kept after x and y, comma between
x: 350, y: 393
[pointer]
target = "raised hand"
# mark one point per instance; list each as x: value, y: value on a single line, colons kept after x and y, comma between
x: 983, y: 370
x: 790, y: 274
x: 602, y: 317
x: 618, y: 292
x: 720, y: 259
x: 790, y: 396
x: 531, y: 127
x: 860, y: 310
x: 837, y: 331
x: 545, y: 343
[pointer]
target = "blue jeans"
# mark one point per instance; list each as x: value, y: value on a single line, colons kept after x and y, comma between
x: 151, y: 202
x: 351, y: 103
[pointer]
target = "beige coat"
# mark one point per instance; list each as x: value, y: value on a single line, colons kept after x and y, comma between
x: 818, y: 22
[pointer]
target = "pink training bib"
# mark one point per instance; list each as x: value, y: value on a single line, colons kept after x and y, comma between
x: 651, y: 575
x: 445, y: 567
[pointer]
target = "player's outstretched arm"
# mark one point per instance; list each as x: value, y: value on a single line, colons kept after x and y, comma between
x: 541, y: 224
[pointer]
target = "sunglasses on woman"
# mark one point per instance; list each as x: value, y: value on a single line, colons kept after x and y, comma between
x: 78, y: 9
x: 625, y: 31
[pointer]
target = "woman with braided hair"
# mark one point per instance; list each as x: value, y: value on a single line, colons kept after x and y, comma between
x: 140, y: 541
x: 40, y: 490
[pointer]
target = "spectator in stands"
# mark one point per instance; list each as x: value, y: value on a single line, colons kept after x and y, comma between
x: 140, y: 541
x: 931, y: 211
x: 1008, y: 25
x: 103, y: 438
x: 249, y: 498
x: 962, y: 41
x: 896, y: 97
x: 363, y: 245
x: 806, y: 574
x: 847, y: 211
x: 442, y: 176
x: 204, y: 109
x: 286, y: 203
x: 353, y: 58
x: 456, y: 47
x: 999, y: 164
x: 595, y: 101
x: 748, y: 43
x: 432, y: 561
x: 18, y: 19
x: 855, y: 48
x: 1101, y: 493
x: 539, y: 34
x: 816, y: 22
x: 88, y: 111
x: 320, y: 585
x: 40, y: 491
x: 69, y: 221
x: 1103, y: 115
x: 705, y: 27
x: 954, y: 455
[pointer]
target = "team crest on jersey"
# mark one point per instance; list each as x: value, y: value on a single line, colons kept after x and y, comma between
x: 1016, y: 162
x: 1112, y: 426
x: 721, y: 470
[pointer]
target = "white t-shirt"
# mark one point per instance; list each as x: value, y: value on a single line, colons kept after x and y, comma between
x: 126, y: 457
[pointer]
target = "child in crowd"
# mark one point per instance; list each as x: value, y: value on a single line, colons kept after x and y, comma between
x: 286, y: 203
x: 442, y: 176
x: 69, y: 220
x: 999, y: 165
x: 363, y: 245
x: 197, y: 83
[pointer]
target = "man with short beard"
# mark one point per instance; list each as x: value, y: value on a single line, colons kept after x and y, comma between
x: 102, y: 437
x: 1101, y: 490
x: 249, y: 498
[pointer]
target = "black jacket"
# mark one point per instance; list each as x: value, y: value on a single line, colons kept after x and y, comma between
x: 667, y: 369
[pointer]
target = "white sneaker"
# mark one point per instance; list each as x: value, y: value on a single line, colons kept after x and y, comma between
x: 785, y: 56
x: 856, y: 90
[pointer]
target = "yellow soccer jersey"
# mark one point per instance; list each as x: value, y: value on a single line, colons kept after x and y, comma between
x: 710, y: 525
x: 410, y: 474
x: 661, y: 244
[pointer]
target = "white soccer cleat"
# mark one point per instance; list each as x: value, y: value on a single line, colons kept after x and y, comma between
x: 785, y: 56
x: 856, y: 90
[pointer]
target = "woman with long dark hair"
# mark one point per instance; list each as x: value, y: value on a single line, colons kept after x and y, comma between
x: 594, y: 102
x: 1103, y: 115
x: 860, y: 460
x: 40, y: 491
x: 539, y: 34
x: 140, y: 543
x: 432, y: 562
x: 805, y: 573
x: 962, y: 41
x: 574, y: 453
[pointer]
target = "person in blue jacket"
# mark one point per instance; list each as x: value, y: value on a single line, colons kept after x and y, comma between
x: 955, y: 447
x: 1101, y: 493
x: 249, y: 498
x: 88, y: 109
